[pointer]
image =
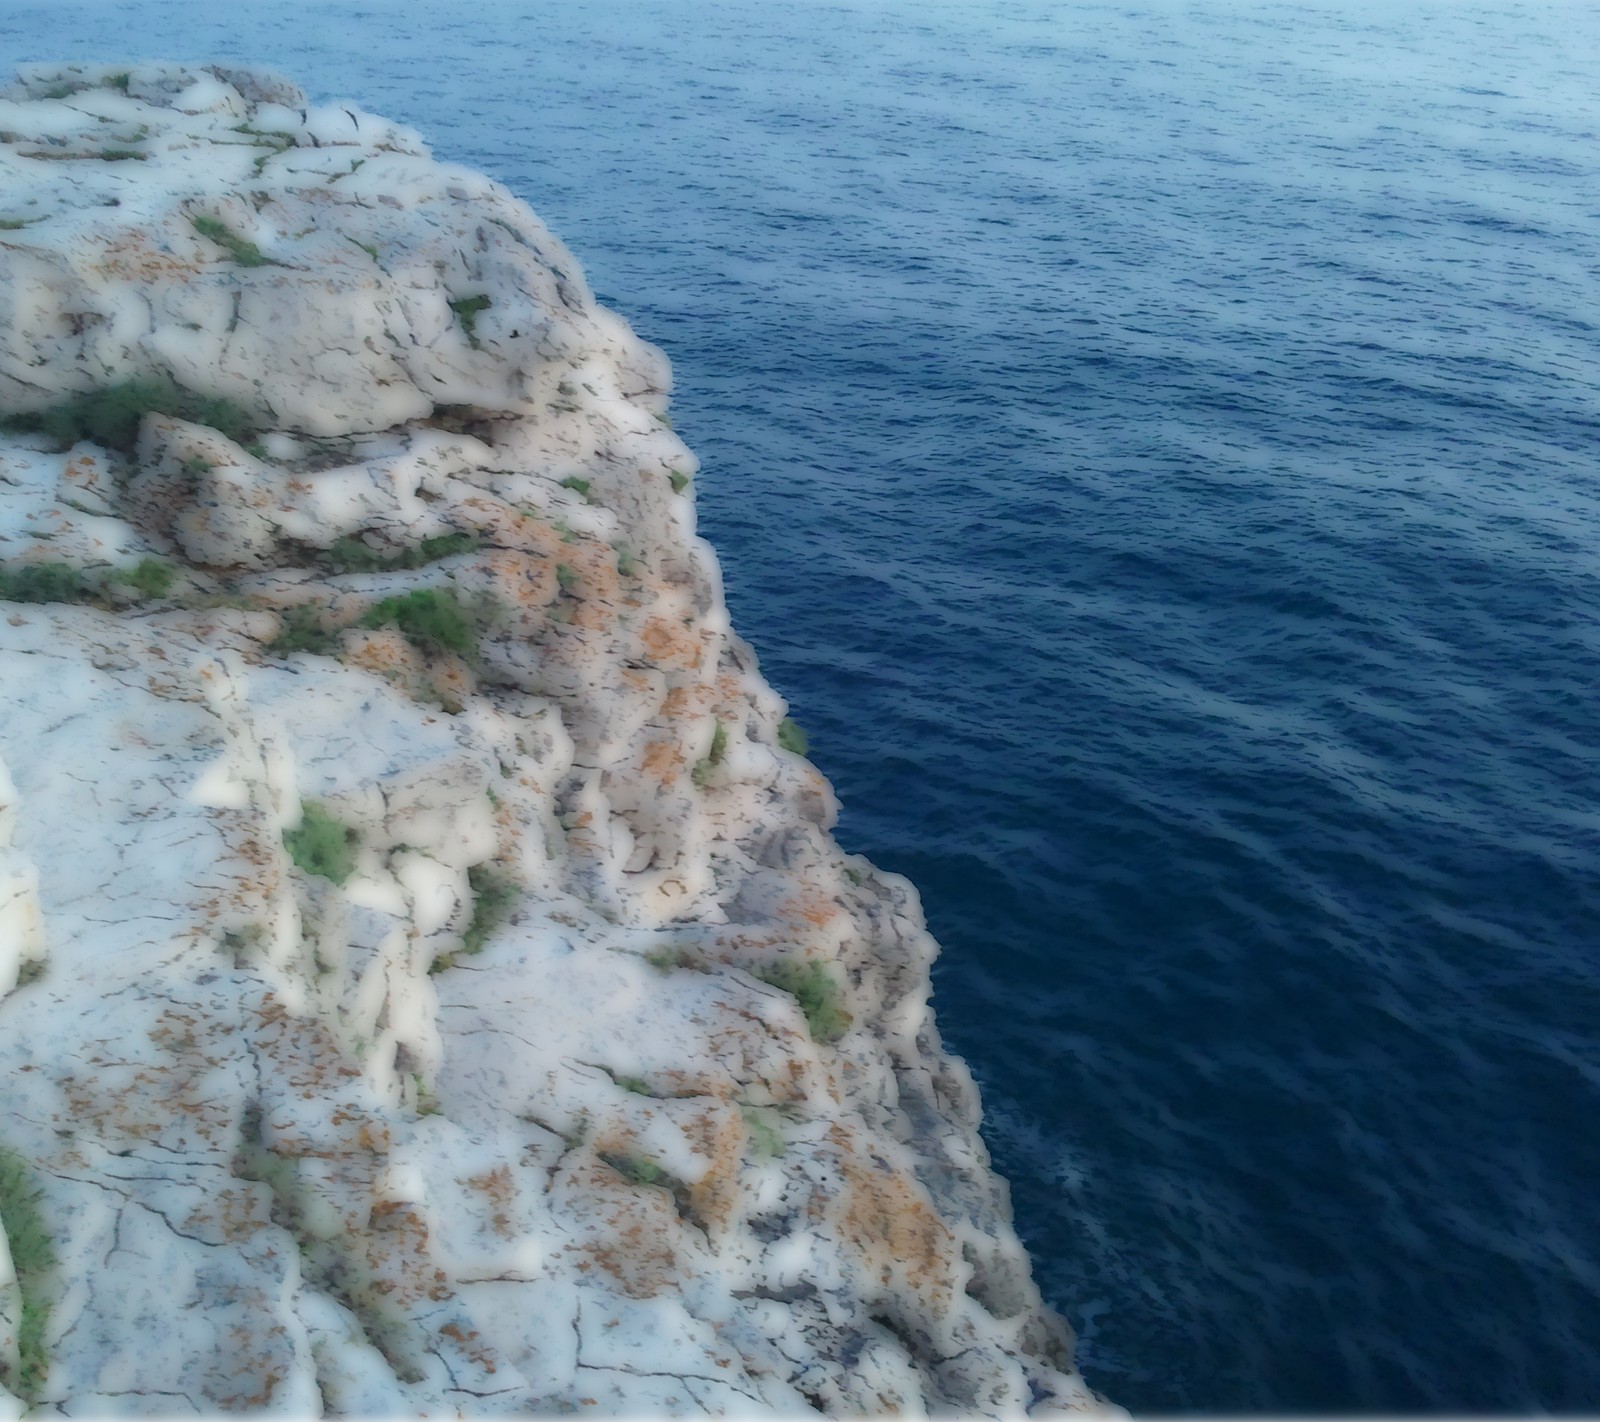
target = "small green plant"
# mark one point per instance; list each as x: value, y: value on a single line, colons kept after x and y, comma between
x: 854, y: 877
x: 12, y: 224
x: 816, y: 992
x: 355, y: 555
x: 151, y: 577
x: 195, y: 466
x: 366, y: 247
x: 112, y: 416
x: 117, y: 81
x: 433, y: 620
x: 791, y: 737
x: 701, y: 774
x: 60, y: 582
x: 322, y: 845
x: 61, y: 91
x: 467, y: 310
x: 303, y: 632
x: 764, y: 1138
x: 44, y: 582
x: 668, y: 959
x: 256, y: 450
x: 680, y: 480
x: 636, y: 1084
x: 627, y: 564
x: 427, y: 1102
x: 641, y: 1170
x: 246, y: 254
x: 577, y: 485
x: 566, y: 579
x: 33, y: 1260
x: 494, y: 896
x: 664, y: 420
x: 121, y: 155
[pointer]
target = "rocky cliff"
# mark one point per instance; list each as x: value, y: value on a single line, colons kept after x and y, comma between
x: 427, y: 980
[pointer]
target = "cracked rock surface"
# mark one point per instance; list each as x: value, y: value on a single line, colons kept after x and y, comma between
x: 427, y: 982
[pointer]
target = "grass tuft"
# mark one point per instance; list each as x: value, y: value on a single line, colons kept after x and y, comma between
x: 433, y: 620
x: 577, y: 485
x: 494, y: 896
x: 641, y: 1170
x: 303, y: 632
x: 666, y: 960
x: 112, y: 416
x: 791, y: 737
x: 246, y: 254
x: 60, y: 582
x: 680, y: 480
x: 151, y: 577
x: 354, y: 555
x: 322, y: 845
x: 764, y: 1138
x: 33, y: 1259
x: 816, y: 992
x: 701, y: 774
x: 467, y: 310
x: 44, y: 582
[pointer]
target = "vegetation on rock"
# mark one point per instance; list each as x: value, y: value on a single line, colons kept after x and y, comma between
x: 32, y: 1260
x: 322, y: 845
x: 818, y: 995
x: 433, y: 620
x: 112, y: 416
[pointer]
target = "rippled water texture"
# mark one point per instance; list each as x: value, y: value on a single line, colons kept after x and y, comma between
x: 1156, y: 450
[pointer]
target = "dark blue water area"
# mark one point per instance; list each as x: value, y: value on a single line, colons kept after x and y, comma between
x: 1155, y: 448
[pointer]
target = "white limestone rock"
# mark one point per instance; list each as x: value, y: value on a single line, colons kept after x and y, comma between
x: 426, y: 984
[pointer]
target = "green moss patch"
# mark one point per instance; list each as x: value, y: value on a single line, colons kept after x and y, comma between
x: 112, y: 416
x: 33, y: 1259
x: 246, y: 254
x: 467, y: 310
x: 433, y: 620
x: 322, y: 845
x: 303, y: 631
x: 494, y: 895
x: 791, y: 737
x: 354, y: 555
x: 60, y: 582
x: 818, y: 995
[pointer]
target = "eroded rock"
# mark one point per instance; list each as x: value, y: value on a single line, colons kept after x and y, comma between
x: 426, y: 982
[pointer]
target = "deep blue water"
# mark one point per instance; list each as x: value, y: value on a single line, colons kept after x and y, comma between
x: 1155, y: 448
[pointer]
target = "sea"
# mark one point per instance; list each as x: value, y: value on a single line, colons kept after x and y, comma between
x: 1155, y: 447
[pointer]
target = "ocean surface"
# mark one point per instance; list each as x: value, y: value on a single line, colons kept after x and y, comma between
x: 1156, y: 448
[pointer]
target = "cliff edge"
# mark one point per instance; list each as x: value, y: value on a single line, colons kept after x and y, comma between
x: 427, y: 979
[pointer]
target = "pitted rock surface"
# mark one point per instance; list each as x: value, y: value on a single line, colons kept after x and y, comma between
x: 426, y: 982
